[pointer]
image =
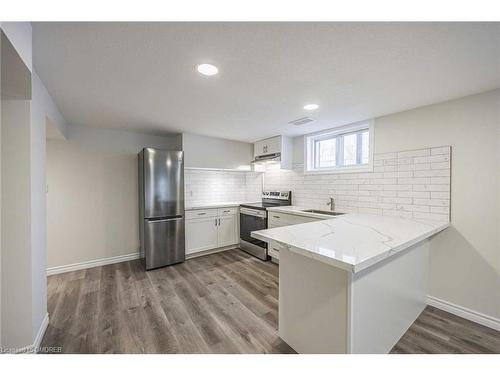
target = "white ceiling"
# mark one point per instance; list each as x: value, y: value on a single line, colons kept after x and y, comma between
x: 141, y: 76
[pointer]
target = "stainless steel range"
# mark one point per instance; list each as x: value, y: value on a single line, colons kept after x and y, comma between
x: 253, y: 216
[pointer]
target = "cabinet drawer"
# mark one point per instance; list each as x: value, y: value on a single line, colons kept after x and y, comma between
x: 227, y: 211
x: 274, y: 249
x: 197, y: 214
x: 277, y: 219
x: 297, y: 219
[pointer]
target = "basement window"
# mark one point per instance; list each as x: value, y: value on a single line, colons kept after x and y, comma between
x: 345, y: 149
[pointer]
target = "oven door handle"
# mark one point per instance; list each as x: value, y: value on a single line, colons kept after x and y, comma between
x: 256, y: 213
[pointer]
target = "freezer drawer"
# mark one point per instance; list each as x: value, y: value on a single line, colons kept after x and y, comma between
x: 165, y: 243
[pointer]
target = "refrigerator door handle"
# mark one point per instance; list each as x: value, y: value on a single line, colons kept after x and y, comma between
x: 163, y: 220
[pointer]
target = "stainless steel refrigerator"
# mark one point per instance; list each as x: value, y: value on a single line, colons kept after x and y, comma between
x: 161, y: 207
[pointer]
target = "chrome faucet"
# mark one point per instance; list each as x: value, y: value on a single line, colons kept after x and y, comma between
x: 331, y: 204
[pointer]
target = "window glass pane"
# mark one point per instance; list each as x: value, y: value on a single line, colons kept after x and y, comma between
x: 350, y: 147
x: 342, y: 149
x: 365, y: 157
x: 327, y: 150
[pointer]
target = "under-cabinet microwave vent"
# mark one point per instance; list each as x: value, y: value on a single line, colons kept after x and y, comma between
x: 301, y: 121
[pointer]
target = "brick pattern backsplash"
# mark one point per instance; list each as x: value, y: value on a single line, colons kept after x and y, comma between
x: 204, y: 186
x: 410, y: 184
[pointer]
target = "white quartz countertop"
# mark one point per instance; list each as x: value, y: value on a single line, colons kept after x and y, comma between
x: 352, y: 242
x: 214, y: 205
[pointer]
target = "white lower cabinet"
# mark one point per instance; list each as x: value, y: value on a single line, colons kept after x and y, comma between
x: 201, y: 234
x: 207, y: 233
x: 227, y: 231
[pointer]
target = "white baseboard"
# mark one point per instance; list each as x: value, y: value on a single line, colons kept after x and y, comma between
x: 121, y: 258
x: 33, y: 348
x: 465, y: 313
x: 92, y: 263
x: 211, y: 251
x: 41, y: 332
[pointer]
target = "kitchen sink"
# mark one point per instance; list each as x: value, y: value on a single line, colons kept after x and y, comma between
x: 331, y: 213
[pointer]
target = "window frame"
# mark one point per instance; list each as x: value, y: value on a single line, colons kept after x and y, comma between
x: 310, y: 141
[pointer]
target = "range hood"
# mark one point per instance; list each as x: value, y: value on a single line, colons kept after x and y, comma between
x: 263, y: 159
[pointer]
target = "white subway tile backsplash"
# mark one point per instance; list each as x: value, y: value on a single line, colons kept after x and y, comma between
x: 203, y: 186
x: 384, y: 156
x: 441, y: 150
x: 431, y: 216
x: 432, y: 173
x: 440, y: 180
x: 440, y: 195
x: 432, y: 159
x: 432, y: 202
x: 441, y: 165
x: 439, y: 210
x: 414, y: 153
x: 414, y: 194
x: 414, y: 183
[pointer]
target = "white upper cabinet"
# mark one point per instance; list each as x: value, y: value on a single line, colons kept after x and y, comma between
x: 268, y: 146
x: 274, y: 146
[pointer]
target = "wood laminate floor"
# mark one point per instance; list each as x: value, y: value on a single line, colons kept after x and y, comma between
x: 220, y: 303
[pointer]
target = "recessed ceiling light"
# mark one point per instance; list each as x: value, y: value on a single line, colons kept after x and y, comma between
x: 207, y: 69
x: 311, y: 107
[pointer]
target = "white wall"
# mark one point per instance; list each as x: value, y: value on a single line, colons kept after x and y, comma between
x: 16, y: 225
x: 1, y: 101
x: 24, y: 215
x: 22, y: 288
x: 45, y: 109
x: 209, y: 152
x: 19, y: 34
x: 43, y: 112
x: 465, y: 259
x: 92, y: 201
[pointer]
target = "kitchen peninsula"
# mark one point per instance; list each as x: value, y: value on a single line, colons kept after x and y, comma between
x: 352, y: 284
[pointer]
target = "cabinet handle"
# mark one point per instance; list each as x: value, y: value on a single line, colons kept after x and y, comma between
x: 201, y: 213
x: 276, y: 217
x: 219, y: 222
x: 226, y: 211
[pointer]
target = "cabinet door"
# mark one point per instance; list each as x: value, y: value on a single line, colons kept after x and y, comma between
x: 259, y: 148
x: 273, y: 145
x: 201, y: 234
x: 227, y: 231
